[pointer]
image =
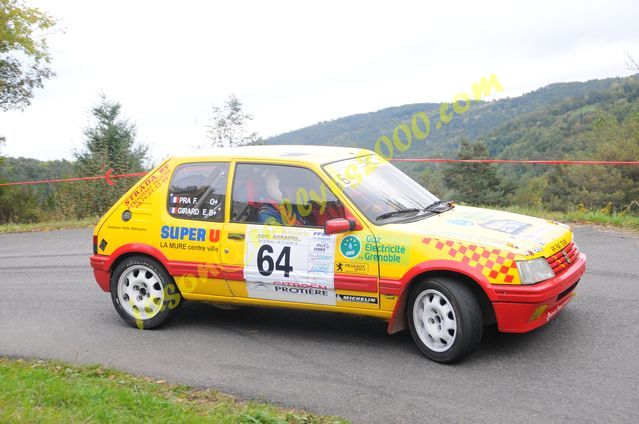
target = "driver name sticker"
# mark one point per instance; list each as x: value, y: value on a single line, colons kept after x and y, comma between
x: 290, y: 264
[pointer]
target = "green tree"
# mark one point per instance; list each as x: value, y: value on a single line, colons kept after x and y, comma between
x: 433, y: 180
x: 33, y: 202
x: 109, y: 144
x: 531, y: 191
x: 229, y: 125
x: 18, y: 204
x: 474, y: 183
x: 2, y: 141
x: 24, y: 55
x: 597, y: 186
x: 2, y: 189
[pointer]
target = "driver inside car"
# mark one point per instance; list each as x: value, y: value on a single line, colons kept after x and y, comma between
x: 277, y: 212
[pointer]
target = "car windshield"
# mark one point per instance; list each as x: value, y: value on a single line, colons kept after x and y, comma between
x: 378, y: 189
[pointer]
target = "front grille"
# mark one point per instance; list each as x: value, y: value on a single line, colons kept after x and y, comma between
x: 558, y: 261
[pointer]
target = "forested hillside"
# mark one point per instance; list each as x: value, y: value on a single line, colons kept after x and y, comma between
x: 598, y: 119
x: 25, y: 169
x: 482, y: 118
x: 600, y: 124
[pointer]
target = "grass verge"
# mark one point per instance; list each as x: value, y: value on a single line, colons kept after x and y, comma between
x: 581, y: 217
x: 49, y: 225
x: 53, y: 392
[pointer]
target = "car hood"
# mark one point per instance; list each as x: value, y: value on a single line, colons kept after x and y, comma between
x: 521, y: 234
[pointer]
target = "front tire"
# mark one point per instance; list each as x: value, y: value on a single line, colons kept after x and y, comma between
x: 445, y: 319
x: 143, y: 292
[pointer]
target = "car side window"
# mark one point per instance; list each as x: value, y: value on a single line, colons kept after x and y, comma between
x: 198, y: 191
x: 282, y: 195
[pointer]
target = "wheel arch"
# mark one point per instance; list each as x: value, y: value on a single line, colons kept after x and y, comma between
x: 136, y: 249
x: 471, y: 278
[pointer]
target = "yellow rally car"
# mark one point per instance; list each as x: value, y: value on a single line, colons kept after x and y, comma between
x: 329, y: 229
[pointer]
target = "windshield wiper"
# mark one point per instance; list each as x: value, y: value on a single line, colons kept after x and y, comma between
x: 439, y: 206
x: 397, y: 212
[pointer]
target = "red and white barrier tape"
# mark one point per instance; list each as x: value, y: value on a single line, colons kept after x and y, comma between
x: 540, y: 162
x: 109, y: 177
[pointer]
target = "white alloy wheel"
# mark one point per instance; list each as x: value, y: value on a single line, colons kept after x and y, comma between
x: 435, y: 320
x: 141, y: 292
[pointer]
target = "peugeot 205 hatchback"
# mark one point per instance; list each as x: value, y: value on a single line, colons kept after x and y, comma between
x: 329, y: 229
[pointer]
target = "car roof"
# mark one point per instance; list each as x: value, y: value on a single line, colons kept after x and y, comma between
x: 310, y: 154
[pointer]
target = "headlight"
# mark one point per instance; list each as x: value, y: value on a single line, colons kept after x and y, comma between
x: 534, y: 271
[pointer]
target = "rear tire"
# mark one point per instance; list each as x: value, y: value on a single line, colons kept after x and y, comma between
x: 445, y: 319
x: 143, y: 292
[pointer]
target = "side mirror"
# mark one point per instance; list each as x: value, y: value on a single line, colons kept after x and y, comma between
x: 340, y: 225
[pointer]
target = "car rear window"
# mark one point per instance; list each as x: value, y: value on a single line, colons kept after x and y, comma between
x: 198, y: 191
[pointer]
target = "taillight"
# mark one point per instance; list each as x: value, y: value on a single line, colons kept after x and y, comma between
x: 95, y: 245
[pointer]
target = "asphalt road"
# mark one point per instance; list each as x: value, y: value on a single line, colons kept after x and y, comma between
x: 582, y: 367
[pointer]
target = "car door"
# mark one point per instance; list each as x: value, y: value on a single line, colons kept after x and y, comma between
x: 275, y: 248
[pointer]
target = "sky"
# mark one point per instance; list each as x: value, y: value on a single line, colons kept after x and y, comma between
x: 293, y: 64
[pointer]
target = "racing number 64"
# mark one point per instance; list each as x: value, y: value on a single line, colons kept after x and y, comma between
x: 283, y: 262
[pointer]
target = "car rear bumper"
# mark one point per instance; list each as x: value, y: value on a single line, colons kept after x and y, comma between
x: 100, y: 264
x: 522, y: 308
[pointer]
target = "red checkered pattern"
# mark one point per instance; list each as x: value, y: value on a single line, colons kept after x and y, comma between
x: 497, y: 265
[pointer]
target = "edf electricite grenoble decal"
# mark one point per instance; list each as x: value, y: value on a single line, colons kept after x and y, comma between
x: 289, y: 264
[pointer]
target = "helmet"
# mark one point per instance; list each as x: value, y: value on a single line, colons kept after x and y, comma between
x: 272, y: 183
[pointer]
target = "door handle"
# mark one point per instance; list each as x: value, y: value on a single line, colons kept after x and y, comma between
x: 235, y: 236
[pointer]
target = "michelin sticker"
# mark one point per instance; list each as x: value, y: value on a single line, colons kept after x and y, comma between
x: 290, y: 264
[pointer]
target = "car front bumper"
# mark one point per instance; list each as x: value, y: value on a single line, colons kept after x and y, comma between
x: 523, y: 308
